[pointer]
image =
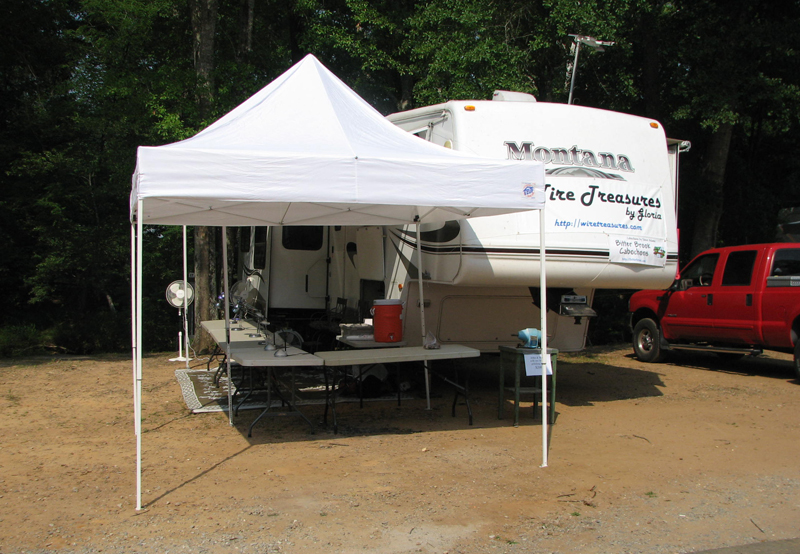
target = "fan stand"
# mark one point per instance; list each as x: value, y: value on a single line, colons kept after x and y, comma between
x: 181, y: 357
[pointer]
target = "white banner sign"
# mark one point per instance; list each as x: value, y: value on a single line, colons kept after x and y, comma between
x: 624, y: 249
x: 605, y: 205
x: 533, y: 365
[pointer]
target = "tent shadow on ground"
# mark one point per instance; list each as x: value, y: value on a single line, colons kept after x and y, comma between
x: 589, y: 383
x: 380, y: 418
x: 579, y: 383
x: 771, y: 364
x: 584, y: 381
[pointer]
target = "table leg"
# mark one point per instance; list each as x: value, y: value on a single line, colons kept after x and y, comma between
x: 272, y: 382
x: 213, y: 356
x: 360, y: 381
x: 462, y: 390
x: 517, y: 368
x: 330, y: 398
x: 553, y: 360
x: 500, y: 391
x: 249, y: 391
x: 397, y: 381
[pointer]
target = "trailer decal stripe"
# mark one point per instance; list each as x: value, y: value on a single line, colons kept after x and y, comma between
x: 558, y: 252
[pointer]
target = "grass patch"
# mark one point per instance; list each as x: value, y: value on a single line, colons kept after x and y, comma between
x: 19, y: 340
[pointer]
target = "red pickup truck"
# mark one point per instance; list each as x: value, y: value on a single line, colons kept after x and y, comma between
x: 734, y: 301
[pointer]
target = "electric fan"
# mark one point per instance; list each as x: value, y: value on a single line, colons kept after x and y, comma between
x: 180, y: 295
x: 244, y: 298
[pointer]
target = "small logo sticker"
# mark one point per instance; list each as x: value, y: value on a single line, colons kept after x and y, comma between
x: 528, y: 190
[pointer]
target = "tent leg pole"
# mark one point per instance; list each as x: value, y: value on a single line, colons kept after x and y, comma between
x: 227, y: 322
x: 138, y: 380
x: 422, y: 312
x: 134, y: 325
x: 185, y: 299
x: 543, y: 315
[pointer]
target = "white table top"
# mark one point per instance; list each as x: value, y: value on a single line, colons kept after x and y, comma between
x: 240, y: 333
x: 216, y: 329
x: 246, y: 350
x: 396, y: 355
x: 249, y: 356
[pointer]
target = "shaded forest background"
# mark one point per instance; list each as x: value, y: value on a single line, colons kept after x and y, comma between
x: 84, y: 82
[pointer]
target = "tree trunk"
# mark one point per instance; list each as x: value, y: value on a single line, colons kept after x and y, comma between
x: 295, y: 30
x: 203, y: 15
x: 651, y: 91
x: 406, y: 93
x: 204, y: 23
x: 203, y: 301
x: 245, y: 42
x: 713, y: 176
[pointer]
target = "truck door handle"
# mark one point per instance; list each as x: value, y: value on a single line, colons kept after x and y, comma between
x: 710, y: 299
x: 748, y: 300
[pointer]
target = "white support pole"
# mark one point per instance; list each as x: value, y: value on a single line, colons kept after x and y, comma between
x: 227, y: 321
x: 543, y: 315
x: 422, y: 312
x: 138, y: 379
x: 185, y: 299
x: 134, y: 341
x: 134, y: 344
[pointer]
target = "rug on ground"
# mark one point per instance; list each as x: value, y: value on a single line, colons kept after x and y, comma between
x: 202, y: 395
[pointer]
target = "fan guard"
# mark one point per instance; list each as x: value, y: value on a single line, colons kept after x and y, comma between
x: 180, y: 294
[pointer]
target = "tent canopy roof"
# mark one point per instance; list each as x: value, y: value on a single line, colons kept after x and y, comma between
x: 307, y: 150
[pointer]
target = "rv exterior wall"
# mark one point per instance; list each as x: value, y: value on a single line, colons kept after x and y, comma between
x: 609, y: 174
x: 612, y: 185
x: 487, y: 317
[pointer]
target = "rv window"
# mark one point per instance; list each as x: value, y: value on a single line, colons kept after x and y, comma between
x: 302, y: 237
x: 787, y: 262
x: 244, y: 239
x: 739, y: 269
x: 260, y: 248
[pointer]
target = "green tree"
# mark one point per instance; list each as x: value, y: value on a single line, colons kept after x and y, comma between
x: 735, y: 75
x: 34, y: 68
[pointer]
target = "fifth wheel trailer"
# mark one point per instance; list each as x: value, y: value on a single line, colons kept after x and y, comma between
x: 610, y: 220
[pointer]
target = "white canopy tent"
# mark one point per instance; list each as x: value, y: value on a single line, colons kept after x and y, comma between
x: 307, y: 150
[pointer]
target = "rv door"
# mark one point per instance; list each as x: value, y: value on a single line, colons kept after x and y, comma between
x: 298, y: 268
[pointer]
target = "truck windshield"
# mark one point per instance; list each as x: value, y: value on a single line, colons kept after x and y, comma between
x: 786, y: 262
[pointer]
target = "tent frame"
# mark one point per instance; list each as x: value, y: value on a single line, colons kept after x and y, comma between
x: 136, y: 334
x: 355, y: 169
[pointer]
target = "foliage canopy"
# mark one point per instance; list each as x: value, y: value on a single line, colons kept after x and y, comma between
x: 84, y: 82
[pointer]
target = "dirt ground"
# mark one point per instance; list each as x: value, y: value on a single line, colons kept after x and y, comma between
x: 691, y: 454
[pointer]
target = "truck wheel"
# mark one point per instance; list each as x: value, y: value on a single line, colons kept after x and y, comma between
x: 647, y: 341
x: 797, y: 360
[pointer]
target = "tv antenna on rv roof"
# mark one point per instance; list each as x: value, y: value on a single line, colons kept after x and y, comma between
x: 591, y: 42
